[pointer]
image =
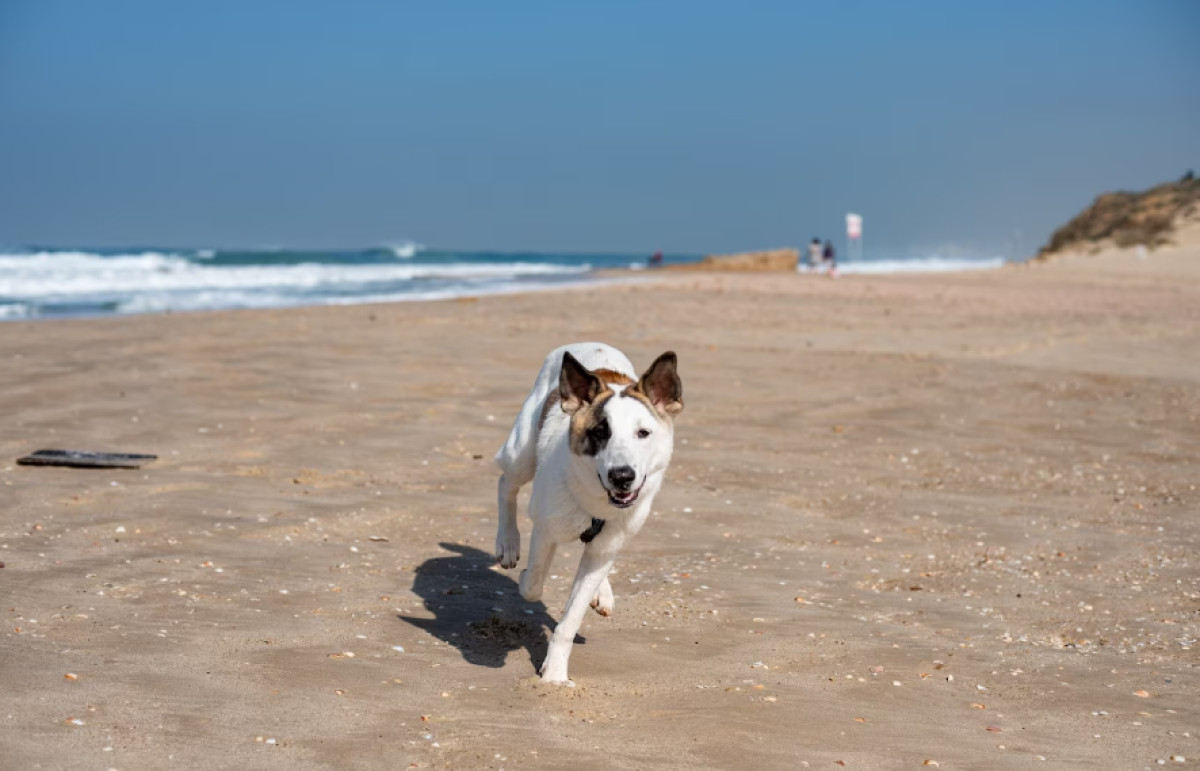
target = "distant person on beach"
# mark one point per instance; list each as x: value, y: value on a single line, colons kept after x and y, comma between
x: 656, y: 260
x: 815, y: 254
x: 830, y: 258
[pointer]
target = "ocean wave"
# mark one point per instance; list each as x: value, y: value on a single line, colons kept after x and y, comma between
x: 160, y: 302
x: 75, y: 274
x: 80, y: 283
x: 16, y: 310
x: 406, y: 250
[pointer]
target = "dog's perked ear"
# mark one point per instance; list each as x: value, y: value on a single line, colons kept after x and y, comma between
x: 661, y: 385
x: 576, y: 385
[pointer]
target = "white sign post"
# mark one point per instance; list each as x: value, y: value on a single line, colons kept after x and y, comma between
x: 854, y: 237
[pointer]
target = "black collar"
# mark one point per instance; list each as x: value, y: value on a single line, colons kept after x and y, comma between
x: 587, y: 535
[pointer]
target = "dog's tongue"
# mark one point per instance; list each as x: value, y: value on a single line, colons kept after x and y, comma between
x: 625, y: 496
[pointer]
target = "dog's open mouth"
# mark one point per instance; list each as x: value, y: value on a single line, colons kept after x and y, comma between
x: 623, y: 500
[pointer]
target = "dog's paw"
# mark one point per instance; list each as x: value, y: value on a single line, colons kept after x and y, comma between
x: 528, y: 593
x: 603, y: 601
x: 554, y: 671
x: 508, y: 549
x: 556, y: 676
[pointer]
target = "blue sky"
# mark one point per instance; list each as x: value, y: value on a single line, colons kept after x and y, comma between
x: 965, y: 127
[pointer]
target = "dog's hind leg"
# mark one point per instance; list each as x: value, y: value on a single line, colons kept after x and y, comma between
x: 541, y: 556
x: 517, y: 461
x: 508, y: 535
x: 603, y: 601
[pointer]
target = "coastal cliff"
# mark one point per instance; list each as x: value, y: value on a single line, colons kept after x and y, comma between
x: 771, y: 260
x: 1124, y: 219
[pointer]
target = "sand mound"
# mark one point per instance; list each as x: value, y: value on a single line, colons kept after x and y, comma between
x: 1123, y: 219
x: 769, y: 260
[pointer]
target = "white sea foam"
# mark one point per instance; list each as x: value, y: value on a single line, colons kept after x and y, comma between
x: 15, y: 310
x: 922, y: 265
x: 73, y: 274
x: 236, y: 299
x: 478, y: 291
x: 406, y: 250
x: 82, y: 282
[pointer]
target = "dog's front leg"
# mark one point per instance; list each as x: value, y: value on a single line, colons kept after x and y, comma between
x: 541, y: 556
x: 593, y: 569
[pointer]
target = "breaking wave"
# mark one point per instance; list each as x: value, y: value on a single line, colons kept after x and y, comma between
x: 85, y: 283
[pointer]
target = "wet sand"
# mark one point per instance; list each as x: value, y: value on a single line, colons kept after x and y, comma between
x: 942, y: 519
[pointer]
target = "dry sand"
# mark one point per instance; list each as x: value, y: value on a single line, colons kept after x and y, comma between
x: 928, y: 519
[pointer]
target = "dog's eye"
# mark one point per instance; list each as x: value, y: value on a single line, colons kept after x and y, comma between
x: 643, y: 433
x: 600, y: 431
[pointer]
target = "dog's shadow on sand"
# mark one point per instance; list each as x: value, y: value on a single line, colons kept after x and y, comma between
x: 479, y: 610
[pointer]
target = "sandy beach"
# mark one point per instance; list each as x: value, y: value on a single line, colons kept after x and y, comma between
x: 929, y: 519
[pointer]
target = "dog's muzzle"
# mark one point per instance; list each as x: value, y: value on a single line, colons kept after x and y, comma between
x: 622, y: 499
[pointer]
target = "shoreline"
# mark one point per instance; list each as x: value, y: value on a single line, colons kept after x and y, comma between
x: 592, y: 277
x: 929, y: 517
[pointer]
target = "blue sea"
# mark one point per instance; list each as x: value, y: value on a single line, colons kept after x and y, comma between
x: 48, y: 283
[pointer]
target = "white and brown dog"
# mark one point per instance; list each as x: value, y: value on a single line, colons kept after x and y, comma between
x: 596, y: 441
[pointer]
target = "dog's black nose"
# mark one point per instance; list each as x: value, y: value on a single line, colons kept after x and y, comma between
x: 621, y: 477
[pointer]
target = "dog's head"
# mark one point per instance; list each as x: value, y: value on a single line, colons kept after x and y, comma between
x: 624, y: 428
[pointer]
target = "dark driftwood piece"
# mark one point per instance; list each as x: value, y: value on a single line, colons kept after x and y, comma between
x: 85, y: 459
